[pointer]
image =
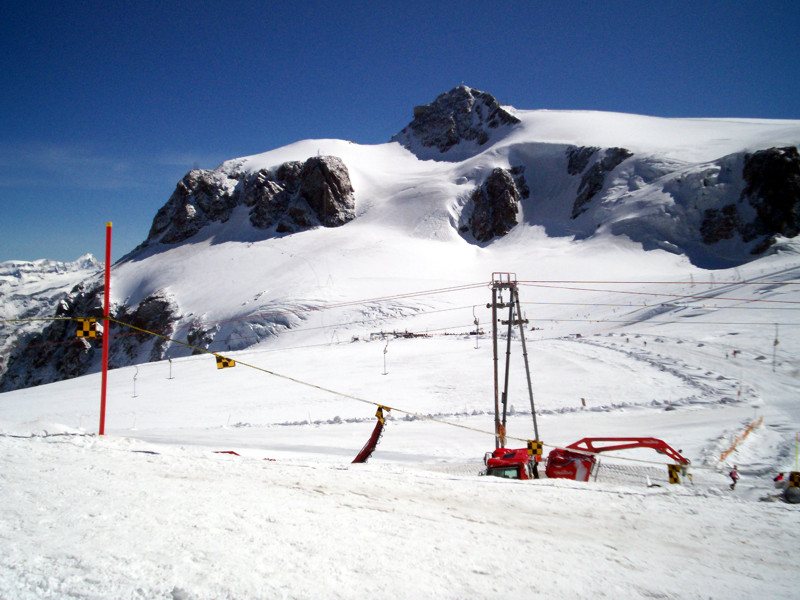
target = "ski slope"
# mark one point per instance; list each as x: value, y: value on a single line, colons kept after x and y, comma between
x: 153, y: 510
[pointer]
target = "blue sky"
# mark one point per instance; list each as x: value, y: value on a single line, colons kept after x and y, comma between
x: 104, y: 106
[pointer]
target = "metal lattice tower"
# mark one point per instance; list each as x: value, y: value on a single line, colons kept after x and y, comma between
x: 500, y: 282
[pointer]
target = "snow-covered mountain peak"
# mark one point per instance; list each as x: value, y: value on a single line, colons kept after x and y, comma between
x: 237, y: 249
x: 457, y: 124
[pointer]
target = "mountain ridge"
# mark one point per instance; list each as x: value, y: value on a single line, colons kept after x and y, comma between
x: 490, y: 184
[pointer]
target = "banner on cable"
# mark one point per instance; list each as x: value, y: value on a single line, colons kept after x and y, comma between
x: 373, y: 440
x: 224, y: 363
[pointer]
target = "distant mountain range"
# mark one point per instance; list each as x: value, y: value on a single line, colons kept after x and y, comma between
x: 468, y: 183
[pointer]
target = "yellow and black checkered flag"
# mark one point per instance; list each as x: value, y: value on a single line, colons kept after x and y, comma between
x: 224, y: 363
x: 794, y: 479
x: 534, y: 448
x: 674, y: 473
x: 87, y: 328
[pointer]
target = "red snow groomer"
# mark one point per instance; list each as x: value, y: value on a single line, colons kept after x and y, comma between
x: 577, y: 460
x: 516, y: 463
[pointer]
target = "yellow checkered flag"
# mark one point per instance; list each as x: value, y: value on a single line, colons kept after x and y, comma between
x: 534, y: 448
x: 224, y: 363
x: 87, y: 328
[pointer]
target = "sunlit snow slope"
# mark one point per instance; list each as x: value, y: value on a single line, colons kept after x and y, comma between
x: 406, y: 235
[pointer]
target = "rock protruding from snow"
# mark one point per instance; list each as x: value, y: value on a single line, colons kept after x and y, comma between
x: 579, y: 157
x: 769, y: 204
x: 495, y: 206
x: 773, y: 189
x: 200, y: 198
x: 461, y: 116
x: 56, y: 353
x: 32, y: 290
x: 157, y: 313
x: 299, y: 195
x: 594, y: 177
x: 324, y: 186
x: 292, y: 197
x: 720, y: 224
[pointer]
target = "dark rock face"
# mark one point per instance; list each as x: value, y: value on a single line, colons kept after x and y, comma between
x: 579, y: 158
x: 495, y: 206
x: 298, y: 195
x: 325, y: 186
x: 594, y: 177
x: 56, y: 353
x: 156, y: 313
x: 199, y: 336
x: 462, y: 114
x: 267, y: 199
x: 720, y: 224
x: 772, y: 180
x: 518, y: 173
x: 43, y: 357
x: 772, y: 189
x: 199, y: 198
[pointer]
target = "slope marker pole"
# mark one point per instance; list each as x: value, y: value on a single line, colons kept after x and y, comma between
x: 106, y: 331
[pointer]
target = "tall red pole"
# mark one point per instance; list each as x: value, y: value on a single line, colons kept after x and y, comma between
x: 106, y: 331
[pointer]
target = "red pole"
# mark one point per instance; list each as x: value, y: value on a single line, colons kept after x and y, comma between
x: 106, y: 331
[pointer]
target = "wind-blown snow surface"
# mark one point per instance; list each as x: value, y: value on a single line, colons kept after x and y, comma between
x: 151, y: 510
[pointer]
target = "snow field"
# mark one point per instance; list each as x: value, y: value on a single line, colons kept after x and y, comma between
x: 151, y: 511
x: 109, y: 520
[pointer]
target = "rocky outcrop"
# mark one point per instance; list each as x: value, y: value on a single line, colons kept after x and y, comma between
x: 594, y: 177
x: 772, y: 180
x: 461, y: 115
x: 200, y: 198
x: 293, y: 197
x: 298, y: 195
x: 156, y: 313
x: 495, y: 205
x: 720, y: 224
x: 200, y: 336
x: 578, y: 158
x: 31, y: 290
x: 56, y: 353
x: 769, y: 204
x: 324, y: 185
